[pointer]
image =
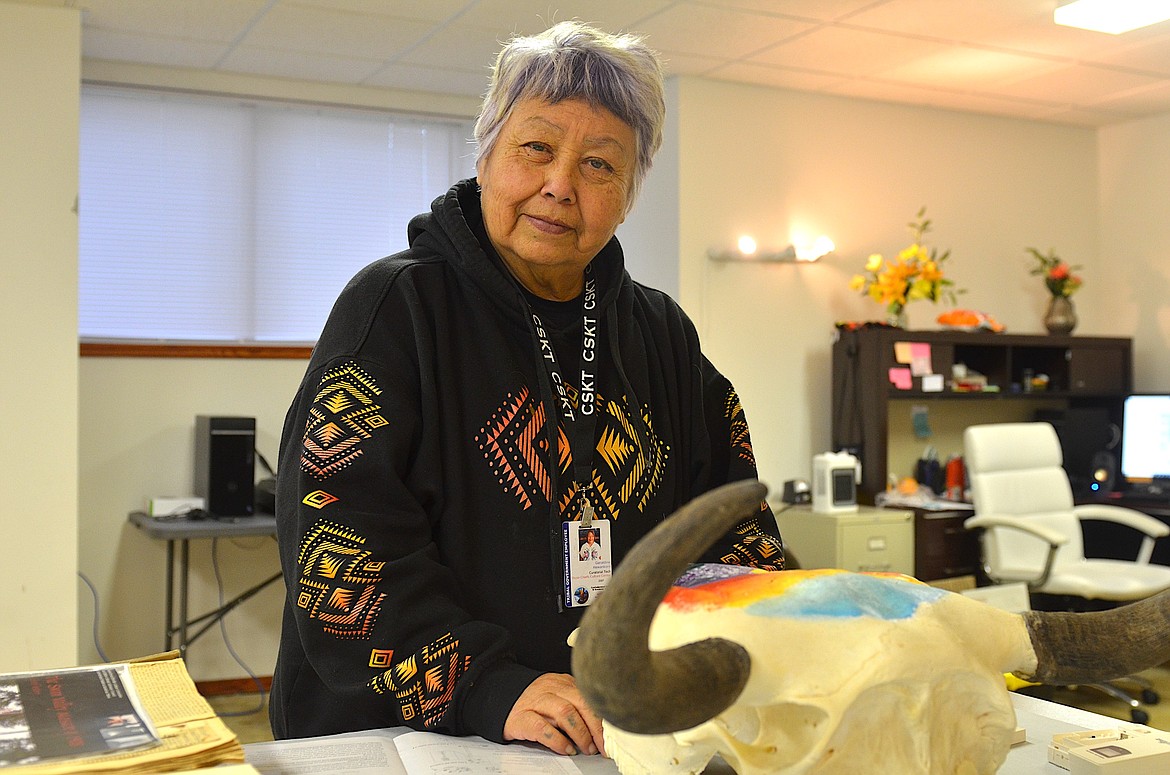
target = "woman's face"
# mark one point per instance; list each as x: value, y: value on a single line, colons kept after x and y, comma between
x: 555, y: 188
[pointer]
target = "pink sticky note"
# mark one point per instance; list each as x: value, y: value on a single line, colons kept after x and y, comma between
x: 901, y: 378
x: 920, y: 359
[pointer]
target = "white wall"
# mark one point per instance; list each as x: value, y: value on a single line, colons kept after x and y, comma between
x: 39, y: 68
x: 772, y: 163
x: 1134, y: 258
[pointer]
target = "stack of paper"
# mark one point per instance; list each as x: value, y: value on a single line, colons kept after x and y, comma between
x: 134, y: 717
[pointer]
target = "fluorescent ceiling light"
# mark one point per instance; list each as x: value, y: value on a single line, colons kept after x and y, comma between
x: 1112, y: 16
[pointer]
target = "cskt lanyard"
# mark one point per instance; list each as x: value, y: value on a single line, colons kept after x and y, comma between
x: 580, y: 423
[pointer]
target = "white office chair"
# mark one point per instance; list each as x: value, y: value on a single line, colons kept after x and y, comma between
x: 1031, y: 529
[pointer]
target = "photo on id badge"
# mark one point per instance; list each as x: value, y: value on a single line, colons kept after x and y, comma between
x: 588, y: 563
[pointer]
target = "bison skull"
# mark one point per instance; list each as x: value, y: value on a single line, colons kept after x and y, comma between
x: 821, y: 671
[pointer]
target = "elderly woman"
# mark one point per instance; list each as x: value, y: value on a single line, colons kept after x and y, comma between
x: 475, y: 401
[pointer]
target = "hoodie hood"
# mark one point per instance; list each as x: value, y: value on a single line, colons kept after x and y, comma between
x: 454, y: 228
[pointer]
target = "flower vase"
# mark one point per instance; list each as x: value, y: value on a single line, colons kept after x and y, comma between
x: 896, y: 315
x: 1061, y: 316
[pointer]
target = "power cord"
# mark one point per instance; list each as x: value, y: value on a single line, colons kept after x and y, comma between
x: 223, y: 630
x: 93, y: 591
x: 227, y: 641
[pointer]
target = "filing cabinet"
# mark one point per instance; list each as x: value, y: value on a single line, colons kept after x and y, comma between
x: 869, y: 539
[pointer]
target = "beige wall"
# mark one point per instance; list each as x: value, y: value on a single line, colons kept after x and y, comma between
x: 39, y: 66
x: 772, y: 163
x: 1134, y: 259
x: 136, y: 441
x: 737, y: 159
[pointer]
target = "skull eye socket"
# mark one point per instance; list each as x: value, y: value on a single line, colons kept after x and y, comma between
x: 767, y: 739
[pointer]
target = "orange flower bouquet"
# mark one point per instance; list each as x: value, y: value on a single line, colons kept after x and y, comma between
x: 915, y: 273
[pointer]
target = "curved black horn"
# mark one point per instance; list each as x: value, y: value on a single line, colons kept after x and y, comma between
x: 1078, y: 648
x: 658, y: 692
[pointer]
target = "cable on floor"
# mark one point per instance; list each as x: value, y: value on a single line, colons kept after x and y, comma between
x: 227, y: 641
x: 93, y: 591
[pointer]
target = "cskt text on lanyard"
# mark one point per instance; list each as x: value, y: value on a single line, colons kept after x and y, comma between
x: 579, y: 426
x: 588, y: 388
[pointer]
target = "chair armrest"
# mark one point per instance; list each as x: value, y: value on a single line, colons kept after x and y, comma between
x: 1052, y: 537
x: 1138, y: 521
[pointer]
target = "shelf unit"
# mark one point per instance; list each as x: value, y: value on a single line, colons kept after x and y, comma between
x: 1084, y: 372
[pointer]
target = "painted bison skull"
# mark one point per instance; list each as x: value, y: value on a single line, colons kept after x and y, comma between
x: 822, y: 671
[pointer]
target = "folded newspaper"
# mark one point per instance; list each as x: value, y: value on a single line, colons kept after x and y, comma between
x: 140, y: 716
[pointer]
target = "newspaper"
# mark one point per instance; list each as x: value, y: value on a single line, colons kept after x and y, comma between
x: 185, y: 732
x: 64, y: 714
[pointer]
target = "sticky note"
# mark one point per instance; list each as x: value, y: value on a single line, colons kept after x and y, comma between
x: 920, y: 359
x: 932, y: 383
x: 902, y: 352
x: 901, y: 378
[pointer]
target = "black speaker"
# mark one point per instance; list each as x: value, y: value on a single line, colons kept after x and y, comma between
x: 1104, y: 472
x: 1088, y: 441
x: 225, y: 464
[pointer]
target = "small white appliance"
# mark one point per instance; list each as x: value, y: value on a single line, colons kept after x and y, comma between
x: 835, y: 479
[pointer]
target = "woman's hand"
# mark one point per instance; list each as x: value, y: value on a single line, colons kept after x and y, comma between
x: 553, y: 713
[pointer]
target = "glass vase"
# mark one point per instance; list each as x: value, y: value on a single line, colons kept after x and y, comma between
x: 896, y: 315
x: 1061, y: 316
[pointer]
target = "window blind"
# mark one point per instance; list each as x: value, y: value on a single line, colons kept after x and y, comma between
x: 227, y: 220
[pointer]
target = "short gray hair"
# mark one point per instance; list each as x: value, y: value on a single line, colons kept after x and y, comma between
x: 570, y: 61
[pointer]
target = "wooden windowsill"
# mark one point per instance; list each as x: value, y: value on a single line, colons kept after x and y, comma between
x: 133, y: 350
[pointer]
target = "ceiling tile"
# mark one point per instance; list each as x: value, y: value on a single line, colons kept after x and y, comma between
x: 925, y: 96
x: 965, y: 68
x: 527, y: 17
x: 675, y: 63
x: 457, y: 46
x: 425, y: 10
x: 300, y: 65
x: 1151, y: 55
x: 314, y: 30
x: 1066, y: 44
x: 997, y: 56
x: 687, y: 29
x: 956, y: 20
x: 212, y: 20
x: 848, y: 51
x: 822, y: 10
x: 1076, y: 84
x: 429, y: 79
x: 780, y: 77
x: 151, y: 49
x: 1144, y: 100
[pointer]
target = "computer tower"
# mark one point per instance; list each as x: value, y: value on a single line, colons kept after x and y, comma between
x: 225, y: 464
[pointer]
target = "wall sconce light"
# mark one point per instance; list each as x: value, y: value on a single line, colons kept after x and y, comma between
x: 748, y: 250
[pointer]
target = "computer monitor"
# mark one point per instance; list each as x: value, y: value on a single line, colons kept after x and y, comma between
x: 1145, y: 443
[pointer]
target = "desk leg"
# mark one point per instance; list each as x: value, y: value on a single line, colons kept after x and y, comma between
x: 184, y: 558
x: 168, y: 633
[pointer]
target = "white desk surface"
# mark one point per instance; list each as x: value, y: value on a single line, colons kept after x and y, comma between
x: 1039, y: 718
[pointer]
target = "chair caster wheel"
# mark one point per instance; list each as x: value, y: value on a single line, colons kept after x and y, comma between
x: 1150, y: 697
x: 1139, y: 716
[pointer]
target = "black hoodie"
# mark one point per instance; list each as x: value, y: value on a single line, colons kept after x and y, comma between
x: 415, y: 515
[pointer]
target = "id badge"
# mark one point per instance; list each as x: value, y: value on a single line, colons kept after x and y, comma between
x: 588, y: 561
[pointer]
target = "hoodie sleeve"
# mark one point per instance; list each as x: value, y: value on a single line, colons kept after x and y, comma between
x: 755, y: 541
x: 378, y: 618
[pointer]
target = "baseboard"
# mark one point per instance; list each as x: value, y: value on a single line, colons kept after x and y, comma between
x: 232, y: 686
